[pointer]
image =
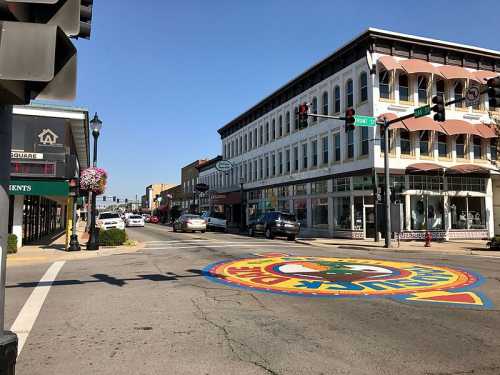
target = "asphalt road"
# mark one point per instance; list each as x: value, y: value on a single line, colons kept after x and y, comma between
x: 154, y: 312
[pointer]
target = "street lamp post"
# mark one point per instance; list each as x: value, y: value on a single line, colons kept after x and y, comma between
x: 74, y: 245
x: 93, y: 243
x: 242, y: 224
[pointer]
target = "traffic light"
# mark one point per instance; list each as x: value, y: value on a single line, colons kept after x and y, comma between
x: 104, y: 198
x: 349, y: 119
x: 114, y: 199
x: 126, y: 200
x: 438, y: 108
x: 118, y: 200
x: 37, y: 58
x: 85, y: 19
x: 303, y: 112
x: 494, y: 92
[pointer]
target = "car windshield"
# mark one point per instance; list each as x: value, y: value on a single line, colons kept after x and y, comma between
x: 192, y: 217
x: 136, y: 217
x: 287, y: 217
x: 109, y: 216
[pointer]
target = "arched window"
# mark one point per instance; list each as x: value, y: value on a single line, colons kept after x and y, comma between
x: 384, y: 84
x: 336, y: 93
x: 349, y: 94
x: 458, y: 92
x: 325, y: 103
x: 404, y: 88
x: 422, y: 83
x: 287, y: 120
x: 363, y: 87
x: 314, y: 108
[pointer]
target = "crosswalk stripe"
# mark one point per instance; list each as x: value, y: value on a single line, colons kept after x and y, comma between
x: 228, y: 245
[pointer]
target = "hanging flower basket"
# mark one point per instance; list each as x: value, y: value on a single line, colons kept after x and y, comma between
x: 93, y: 180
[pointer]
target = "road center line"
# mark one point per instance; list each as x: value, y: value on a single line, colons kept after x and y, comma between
x: 29, y: 313
x: 230, y: 245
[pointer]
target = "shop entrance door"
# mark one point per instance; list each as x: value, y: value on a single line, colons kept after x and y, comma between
x: 369, y: 221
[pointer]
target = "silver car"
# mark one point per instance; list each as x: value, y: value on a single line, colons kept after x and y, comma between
x: 191, y: 223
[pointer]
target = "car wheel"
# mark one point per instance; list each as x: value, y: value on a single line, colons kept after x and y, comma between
x: 269, y: 234
x: 291, y: 237
x: 251, y: 232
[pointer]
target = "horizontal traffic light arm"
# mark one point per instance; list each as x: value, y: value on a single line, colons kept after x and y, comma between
x: 326, y: 116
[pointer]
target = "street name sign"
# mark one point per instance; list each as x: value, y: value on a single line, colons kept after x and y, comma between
x: 422, y: 111
x: 364, y: 121
x: 224, y: 166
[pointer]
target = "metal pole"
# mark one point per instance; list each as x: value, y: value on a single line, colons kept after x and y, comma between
x: 242, y: 209
x: 375, y: 205
x: 93, y: 243
x: 387, y: 188
x: 73, y: 243
x: 8, y: 340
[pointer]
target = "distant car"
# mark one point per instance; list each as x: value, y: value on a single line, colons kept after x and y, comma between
x: 109, y: 220
x: 190, y: 223
x: 135, y: 221
x: 275, y: 223
x: 146, y: 217
x: 215, y: 220
x: 154, y: 220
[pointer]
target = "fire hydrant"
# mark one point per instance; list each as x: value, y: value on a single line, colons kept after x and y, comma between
x: 428, y: 239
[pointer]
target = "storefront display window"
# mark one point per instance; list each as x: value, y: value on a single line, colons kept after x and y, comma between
x: 342, y: 184
x: 362, y: 183
x: 427, y: 212
x: 299, y: 189
x: 300, y: 210
x: 320, y: 213
x: 467, y: 213
x: 283, y: 205
x: 434, y: 183
x: 467, y: 184
x: 343, y: 213
x: 319, y: 187
x: 358, y: 213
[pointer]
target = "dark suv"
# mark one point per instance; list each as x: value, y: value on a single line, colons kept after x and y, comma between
x: 275, y: 223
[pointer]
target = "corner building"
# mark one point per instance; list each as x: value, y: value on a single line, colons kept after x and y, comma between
x: 440, y: 172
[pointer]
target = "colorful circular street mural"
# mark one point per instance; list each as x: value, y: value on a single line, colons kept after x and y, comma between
x: 349, y: 277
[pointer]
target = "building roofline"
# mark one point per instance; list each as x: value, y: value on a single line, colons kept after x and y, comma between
x: 209, y: 163
x: 370, y: 32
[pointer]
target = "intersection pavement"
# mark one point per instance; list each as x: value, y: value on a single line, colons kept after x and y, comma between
x: 158, y: 311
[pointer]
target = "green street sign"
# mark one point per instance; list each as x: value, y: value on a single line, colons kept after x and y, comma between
x: 364, y: 121
x: 422, y: 111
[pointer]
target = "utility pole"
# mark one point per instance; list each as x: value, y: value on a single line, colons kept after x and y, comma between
x: 386, y: 187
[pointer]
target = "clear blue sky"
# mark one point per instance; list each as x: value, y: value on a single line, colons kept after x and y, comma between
x: 165, y: 75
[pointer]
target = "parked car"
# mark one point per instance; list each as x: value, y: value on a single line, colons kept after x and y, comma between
x: 108, y: 220
x: 146, y: 217
x: 154, y: 219
x: 275, y: 223
x: 191, y: 223
x: 215, y: 220
x: 135, y: 221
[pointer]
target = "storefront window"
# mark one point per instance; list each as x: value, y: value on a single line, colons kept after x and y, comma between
x: 419, y: 182
x: 467, y: 213
x: 358, y: 213
x: 427, y: 212
x: 299, y: 189
x: 467, y: 184
x: 343, y: 213
x: 283, y: 205
x: 300, y: 210
x: 342, y: 184
x: 319, y: 187
x: 362, y: 183
x: 320, y: 213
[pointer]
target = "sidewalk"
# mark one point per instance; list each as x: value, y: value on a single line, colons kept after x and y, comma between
x: 52, y: 251
x: 466, y: 247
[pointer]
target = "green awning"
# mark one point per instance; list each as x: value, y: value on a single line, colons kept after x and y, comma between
x: 32, y: 187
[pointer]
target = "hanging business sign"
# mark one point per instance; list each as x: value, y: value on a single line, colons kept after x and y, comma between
x: 224, y: 166
x: 201, y: 187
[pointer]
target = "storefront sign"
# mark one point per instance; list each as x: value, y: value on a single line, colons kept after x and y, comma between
x: 224, y: 166
x: 45, y: 188
x: 349, y: 277
x: 26, y: 155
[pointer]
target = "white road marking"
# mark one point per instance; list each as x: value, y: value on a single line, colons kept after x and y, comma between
x: 228, y: 245
x: 29, y: 313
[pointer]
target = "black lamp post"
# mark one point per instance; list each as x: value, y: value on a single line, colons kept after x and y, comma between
x: 93, y: 243
x: 73, y: 243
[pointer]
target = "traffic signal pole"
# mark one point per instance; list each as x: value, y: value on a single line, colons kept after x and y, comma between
x: 388, y: 233
x: 8, y: 340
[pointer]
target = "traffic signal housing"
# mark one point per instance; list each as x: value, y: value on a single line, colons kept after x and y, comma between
x: 439, y: 108
x: 303, y: 112
x: 494, y: 92
x: 349, y: 119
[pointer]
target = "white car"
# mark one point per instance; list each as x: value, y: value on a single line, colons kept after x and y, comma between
x: 215, y: 220
x: 109, y: 220
x: 135, y: 221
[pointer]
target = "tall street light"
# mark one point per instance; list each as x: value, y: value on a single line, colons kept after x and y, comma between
x: 242, y: 214
x: 93, y: 243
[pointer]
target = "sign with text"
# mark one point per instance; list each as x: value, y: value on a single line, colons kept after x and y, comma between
x: 224, y: 166
x: 26, y: 155
x: 422, y: 111
x: 364, y: 121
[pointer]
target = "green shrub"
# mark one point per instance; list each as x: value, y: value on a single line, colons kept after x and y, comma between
x: 112, y: 237
x: 12, y: 244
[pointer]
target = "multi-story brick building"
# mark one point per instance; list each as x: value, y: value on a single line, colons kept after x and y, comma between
x: 440, y: 172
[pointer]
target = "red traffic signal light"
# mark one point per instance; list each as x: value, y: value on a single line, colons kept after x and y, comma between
x: 349, y: 119
x: 439, y: 108
x: 303, y: 112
